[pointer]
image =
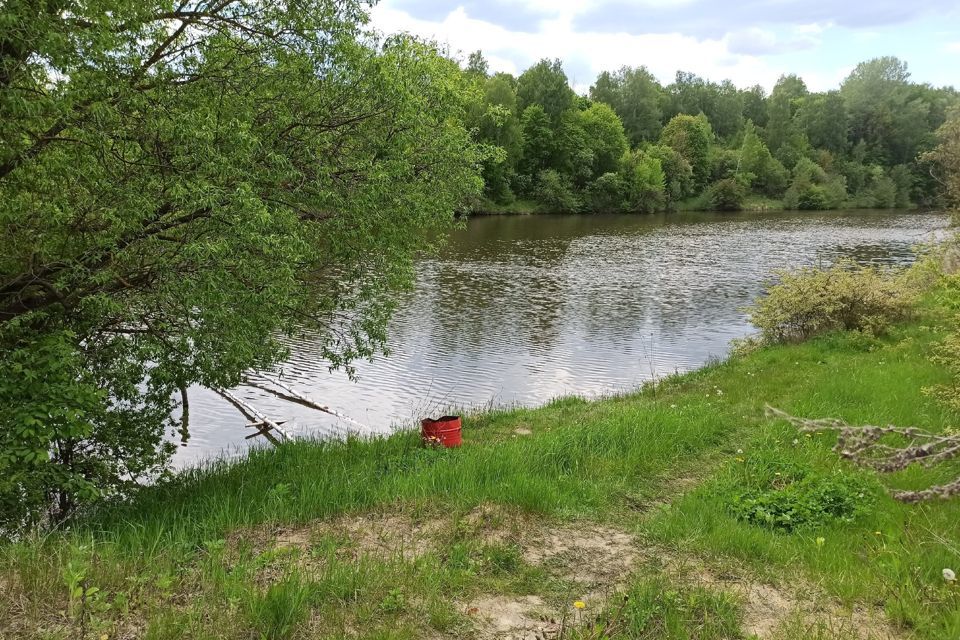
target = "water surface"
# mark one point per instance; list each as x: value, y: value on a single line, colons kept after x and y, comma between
x: 519, y: 310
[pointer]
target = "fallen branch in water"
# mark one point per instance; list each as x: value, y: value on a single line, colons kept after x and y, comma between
x: 257, y: 419
x: 292, y: 395
x: 869, y: 446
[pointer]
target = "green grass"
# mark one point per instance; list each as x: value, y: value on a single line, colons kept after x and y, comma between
x: 755, y: 202
x: 699, y: 202
x: 187, y: 559
x: 656, y: 609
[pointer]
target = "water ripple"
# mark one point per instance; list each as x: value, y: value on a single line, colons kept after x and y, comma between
x: 518, y: 310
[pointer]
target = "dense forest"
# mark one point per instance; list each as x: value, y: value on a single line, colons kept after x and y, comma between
x: 638, y: 146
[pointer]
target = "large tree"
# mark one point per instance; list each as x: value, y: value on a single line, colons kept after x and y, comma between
x: 944, y: 159
x: 782, y: 106
x: 545, y: 84
x: 635, y: 95
x: 604, y: 137
x: 722, y: 103
x: 496, y: 123
x: 885, y: 111
x: 822, y: 117
x: 181, y: 185
x: 690, y: 137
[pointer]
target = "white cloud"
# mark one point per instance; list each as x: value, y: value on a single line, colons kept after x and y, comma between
x: 953, y: 47
x: 815, y: 28
x: 510, y: 51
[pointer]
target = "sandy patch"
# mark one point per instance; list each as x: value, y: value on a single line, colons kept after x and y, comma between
x: 383, y: 535
x: 596, y: 557
x: 770, y: 611
x: 521, y: 618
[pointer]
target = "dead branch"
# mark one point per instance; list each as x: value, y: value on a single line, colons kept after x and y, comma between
x: 184, y: 415
x: 887, y: 449
x: 292, y: 395
x: 256, y: 418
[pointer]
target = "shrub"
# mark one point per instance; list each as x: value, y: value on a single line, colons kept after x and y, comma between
x: 884, y: 193
x: 806, y: 197
x: 947, y: 353
x: 727, y: 195
x: 606, y: 194
x: 773, y: 179
x: 809, y: 301
x: 835, y: 192
x: 644, y: 182
x: 555, y: 193
x: 678, y: 176
x: 723, y: 163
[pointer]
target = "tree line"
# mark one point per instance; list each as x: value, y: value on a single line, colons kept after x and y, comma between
x: 635, y: 145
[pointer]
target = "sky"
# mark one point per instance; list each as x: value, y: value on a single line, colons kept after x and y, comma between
x: 749, y: 42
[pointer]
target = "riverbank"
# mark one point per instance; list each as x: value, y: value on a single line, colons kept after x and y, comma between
x: 754, y: 203
x: 665, y: 495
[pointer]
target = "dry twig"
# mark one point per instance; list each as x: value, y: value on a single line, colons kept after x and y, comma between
x: 887, y: 449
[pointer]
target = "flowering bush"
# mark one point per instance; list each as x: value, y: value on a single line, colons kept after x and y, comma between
x: 811, y: 301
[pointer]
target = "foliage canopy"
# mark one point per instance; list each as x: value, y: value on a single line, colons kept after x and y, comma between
x: 865, y: 137
x: 182, y: 186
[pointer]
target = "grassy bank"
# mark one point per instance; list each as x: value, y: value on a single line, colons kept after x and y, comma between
x: 518, y: 207
x: 716, y: 522
x: 701, y: 203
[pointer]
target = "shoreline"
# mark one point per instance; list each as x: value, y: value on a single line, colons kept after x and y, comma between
x: 530, y: 208
x: 540, y: 508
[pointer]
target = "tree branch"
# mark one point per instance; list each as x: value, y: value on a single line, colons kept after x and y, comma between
x: 865, y: 445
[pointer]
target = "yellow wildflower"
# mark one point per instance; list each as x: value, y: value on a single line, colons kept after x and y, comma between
x: 580, y: 604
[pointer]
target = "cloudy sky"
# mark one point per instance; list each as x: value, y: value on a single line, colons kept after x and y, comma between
x: 749, y: 42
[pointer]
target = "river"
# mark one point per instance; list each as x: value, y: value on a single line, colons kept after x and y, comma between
x: 518, y: 310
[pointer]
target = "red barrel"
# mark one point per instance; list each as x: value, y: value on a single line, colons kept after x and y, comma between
x: 445, y: 431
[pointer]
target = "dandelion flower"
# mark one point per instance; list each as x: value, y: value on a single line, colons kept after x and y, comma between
x: 949, y: 575
x: 580, y: 604
x: 878, y: 533
x: 820, y: 541
x: 739, y: 450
